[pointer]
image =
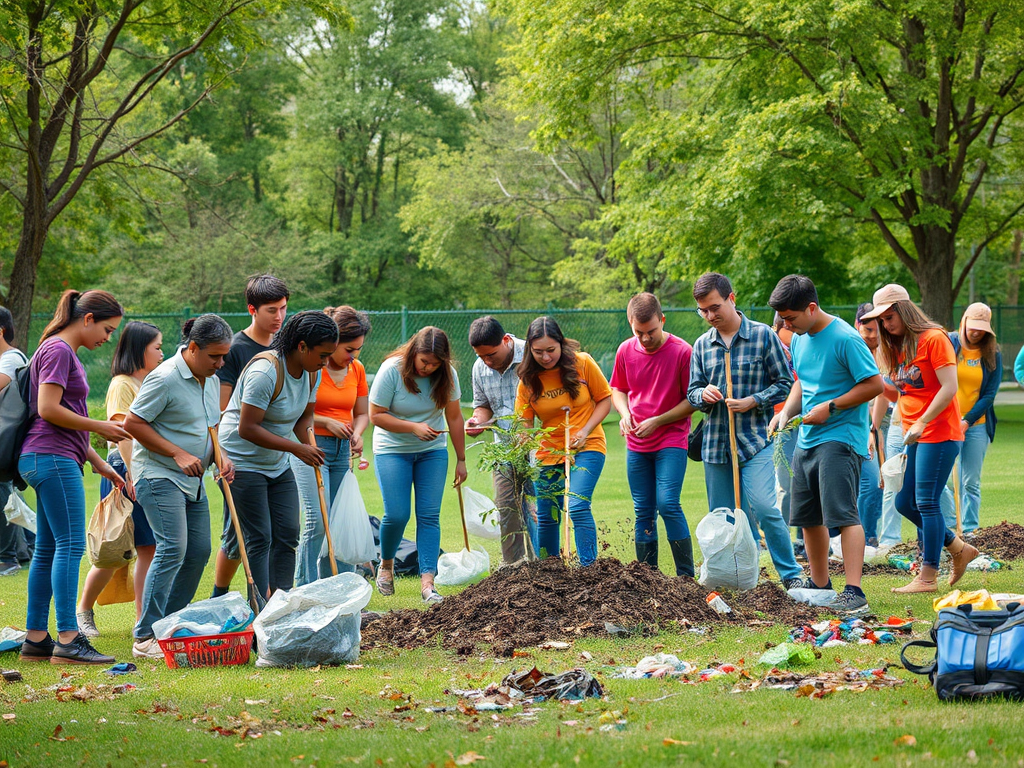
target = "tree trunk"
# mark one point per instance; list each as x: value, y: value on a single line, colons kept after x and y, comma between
x: 23, y: 274
x: 1013, y: 292
x: 934, y: 275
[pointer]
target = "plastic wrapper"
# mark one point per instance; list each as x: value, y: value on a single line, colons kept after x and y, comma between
x: 820, y: 597
x: 730, y: 552
x: 227, y: 613
x: 11, y: 638
x: 892, y: 472
x: 481, y: 515
x: 575, y: 684
x: 18, y: 512
x: 317, y: 623
x: 463, y: 567
x: 351, y: 532
x: 980, y: 599
x: 788, y: 654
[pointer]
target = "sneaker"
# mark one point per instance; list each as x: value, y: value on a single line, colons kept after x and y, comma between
x: 32, y: 650
x: 78, y: 651
x: 147, y: 649
x: 385, y: 586
x: 87, y: 623
x: 799, y: 582
x: 431, y: 596
x: 9, y: 567
x: 850, y: 604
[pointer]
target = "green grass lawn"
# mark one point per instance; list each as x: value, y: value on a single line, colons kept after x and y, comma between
x: 339, y: 716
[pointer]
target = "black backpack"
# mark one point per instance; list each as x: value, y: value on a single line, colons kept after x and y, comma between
x: 15, y: 415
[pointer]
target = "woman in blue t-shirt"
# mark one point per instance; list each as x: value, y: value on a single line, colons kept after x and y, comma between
x: 414, y: 394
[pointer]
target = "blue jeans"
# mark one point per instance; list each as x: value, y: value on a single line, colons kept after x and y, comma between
x: 928, y: 468
x: 583, y: 476
x: 869, y: 497
x: 398, y: 474
x: 60, y: 539
x: 182, y: 529
x: 656, y: 481
x: 309, y: 565
x: 783, y: 476
x: 757, y: 491
x: 972, y: 457
x: 890, y: 526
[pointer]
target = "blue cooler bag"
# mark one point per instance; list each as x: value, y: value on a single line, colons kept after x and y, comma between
x: 978, y: 654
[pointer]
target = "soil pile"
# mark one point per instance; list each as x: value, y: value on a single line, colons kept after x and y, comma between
x: 1003, y: 542
x: 527, y: 604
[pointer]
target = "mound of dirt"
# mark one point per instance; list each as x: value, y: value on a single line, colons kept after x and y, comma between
x: 1003, y: 542
x: 527, y: 604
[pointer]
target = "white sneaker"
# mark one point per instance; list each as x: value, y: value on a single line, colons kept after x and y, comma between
x: 87, y: 623
x: 147, y: 649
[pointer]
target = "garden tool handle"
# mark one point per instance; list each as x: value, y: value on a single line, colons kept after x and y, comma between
x: 732, y: 430
x: 323, y: 506
x: 462, y: 514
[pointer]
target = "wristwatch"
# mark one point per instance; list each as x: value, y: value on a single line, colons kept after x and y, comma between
x: 831, y: 407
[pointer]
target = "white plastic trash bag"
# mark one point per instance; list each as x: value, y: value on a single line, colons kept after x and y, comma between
x: 227, y: 613
x: 481, y: 515
x: 463, y: 567
x: 351, y: 532
x: 892, y: 472
x: 18, y: 512
x: 730, y: 552
x: 317, y: 623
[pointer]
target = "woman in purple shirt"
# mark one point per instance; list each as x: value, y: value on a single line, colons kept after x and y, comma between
x: 52, y: 456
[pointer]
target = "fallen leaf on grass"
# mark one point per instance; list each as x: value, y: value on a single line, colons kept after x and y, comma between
x: 676, y: 743
x: 9, y: 715
x: 906, y: 740
x: 468, y: 758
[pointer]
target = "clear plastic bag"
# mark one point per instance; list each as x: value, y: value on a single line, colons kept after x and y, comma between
x: 463, y: 567
x: 18, y: 512
x: 481, y: 515
x: 730, y: 552
x: 317, y: 623
x: 351, y: 532
x: 205, y: 617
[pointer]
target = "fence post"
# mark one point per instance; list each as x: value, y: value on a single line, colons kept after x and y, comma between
x: 405, y: 324
x: 999, y: 321
x: 186, y: 315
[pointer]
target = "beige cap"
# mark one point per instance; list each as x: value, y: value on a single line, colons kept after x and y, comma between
x: 884, y: 298
x: 977, y: 317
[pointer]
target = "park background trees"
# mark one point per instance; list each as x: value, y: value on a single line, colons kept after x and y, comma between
x: 450, y: 153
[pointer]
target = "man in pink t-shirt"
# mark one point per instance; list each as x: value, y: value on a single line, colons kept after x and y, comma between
x: 649, y: 383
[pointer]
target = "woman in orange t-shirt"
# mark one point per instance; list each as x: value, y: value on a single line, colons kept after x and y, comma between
x: 918, y: 357
x: 555, y: 375
x: 340, y: 416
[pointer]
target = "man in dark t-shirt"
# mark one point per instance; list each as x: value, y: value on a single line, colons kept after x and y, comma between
x: 267, y: 299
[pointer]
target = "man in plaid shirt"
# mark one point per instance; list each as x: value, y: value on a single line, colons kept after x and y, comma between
x: 760, y: 379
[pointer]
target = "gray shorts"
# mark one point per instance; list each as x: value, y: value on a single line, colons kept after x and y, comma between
x: 825, y: 486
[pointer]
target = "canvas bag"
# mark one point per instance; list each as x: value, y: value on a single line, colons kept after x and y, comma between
x: 111, y: 534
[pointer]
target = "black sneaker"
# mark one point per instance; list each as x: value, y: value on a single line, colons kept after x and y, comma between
x: 78, y: 651
x: 32, y: 650
x: 9, y: 567
x: 850, y: 605
x: 799, y: 582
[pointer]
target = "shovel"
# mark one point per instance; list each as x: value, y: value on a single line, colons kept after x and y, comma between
x: 256, y: 601
x: 323, y: 508
x: 566, y: 552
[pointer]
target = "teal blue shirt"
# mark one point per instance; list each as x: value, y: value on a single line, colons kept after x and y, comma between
x: 388, y: 391
x: 829, y: 364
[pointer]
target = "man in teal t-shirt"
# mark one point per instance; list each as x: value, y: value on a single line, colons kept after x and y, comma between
x: 836, y: 378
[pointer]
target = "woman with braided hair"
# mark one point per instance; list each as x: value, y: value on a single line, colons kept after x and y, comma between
x: 267, y: 420
x: 414, y: 394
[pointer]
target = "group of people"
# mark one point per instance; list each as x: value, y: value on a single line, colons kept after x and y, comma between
x: 287, y: 395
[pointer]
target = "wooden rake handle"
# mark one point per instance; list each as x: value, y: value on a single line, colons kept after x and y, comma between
x: 462, y: 514
x: 323, y: 507
x: 218, y: 459
x: 732, y: 430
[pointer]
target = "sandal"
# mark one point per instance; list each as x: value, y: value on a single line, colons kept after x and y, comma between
x: 385, y: 586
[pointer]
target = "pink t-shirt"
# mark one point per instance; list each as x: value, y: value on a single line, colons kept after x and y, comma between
x: 654, y: 383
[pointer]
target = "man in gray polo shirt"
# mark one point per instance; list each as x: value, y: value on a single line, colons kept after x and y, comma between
x: 495, y: 382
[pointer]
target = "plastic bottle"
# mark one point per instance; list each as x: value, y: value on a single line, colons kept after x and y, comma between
x: 715, y: 601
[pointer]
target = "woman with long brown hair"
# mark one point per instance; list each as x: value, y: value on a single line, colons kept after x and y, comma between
x: 979, y: 370
x: 918, y: 358
x: 553, y: 376
x: 414, y: 395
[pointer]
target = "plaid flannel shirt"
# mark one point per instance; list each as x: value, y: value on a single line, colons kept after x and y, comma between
x: 759, y: 368
x: 497, y: 391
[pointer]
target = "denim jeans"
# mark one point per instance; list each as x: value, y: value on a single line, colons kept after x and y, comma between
x: 181, y: 526
x: 869, y: 499
x: 268, y: 511
x: 8, y: 531
x: 309, y: 566
x: 890, y: 525
x: 928, y: 468
x: 758, y: 500
x: 655, y: 482
x: 583, y: 476
x: 60, y: 539
x: 398, y: 474
x: 784, y: 477
x: 972, y: 457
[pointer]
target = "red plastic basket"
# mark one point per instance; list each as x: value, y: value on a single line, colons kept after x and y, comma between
x: 207, y: 650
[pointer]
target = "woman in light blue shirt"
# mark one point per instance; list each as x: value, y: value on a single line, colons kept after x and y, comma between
x: 267, y: 419
x: 414, y: 394
x: 170, y: 420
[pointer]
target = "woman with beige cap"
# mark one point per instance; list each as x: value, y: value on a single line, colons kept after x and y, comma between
x: 918, y: 357
x: 979, y: 369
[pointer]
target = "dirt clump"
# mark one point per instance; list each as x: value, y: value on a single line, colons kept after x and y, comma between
x: 1003, y: 542
x: 527, y: 604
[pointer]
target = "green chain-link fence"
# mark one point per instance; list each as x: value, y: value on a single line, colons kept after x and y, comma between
x: 599, y: 331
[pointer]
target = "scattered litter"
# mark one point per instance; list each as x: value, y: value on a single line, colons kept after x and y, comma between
x: 979, y: 598
x: 90, y: 692
x: 11, y: 638
x: 822, y: 684
x: 785, y: 654
x: 122, y: 669
x: 819, y: 597
x: 985, y: 563
x: 555, y: 645
x: 828, y: 634
x: 1005, y: 598
x: 660, y: 665
x: 715, y: 601
x: 904, y: 563
x: 574, y: 684
x: 612, y: 720
x: 11, y: 675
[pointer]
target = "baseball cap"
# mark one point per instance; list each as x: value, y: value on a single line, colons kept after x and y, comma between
x: 977, y: 317
x: 884, y: 298
x: 862, y: 310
